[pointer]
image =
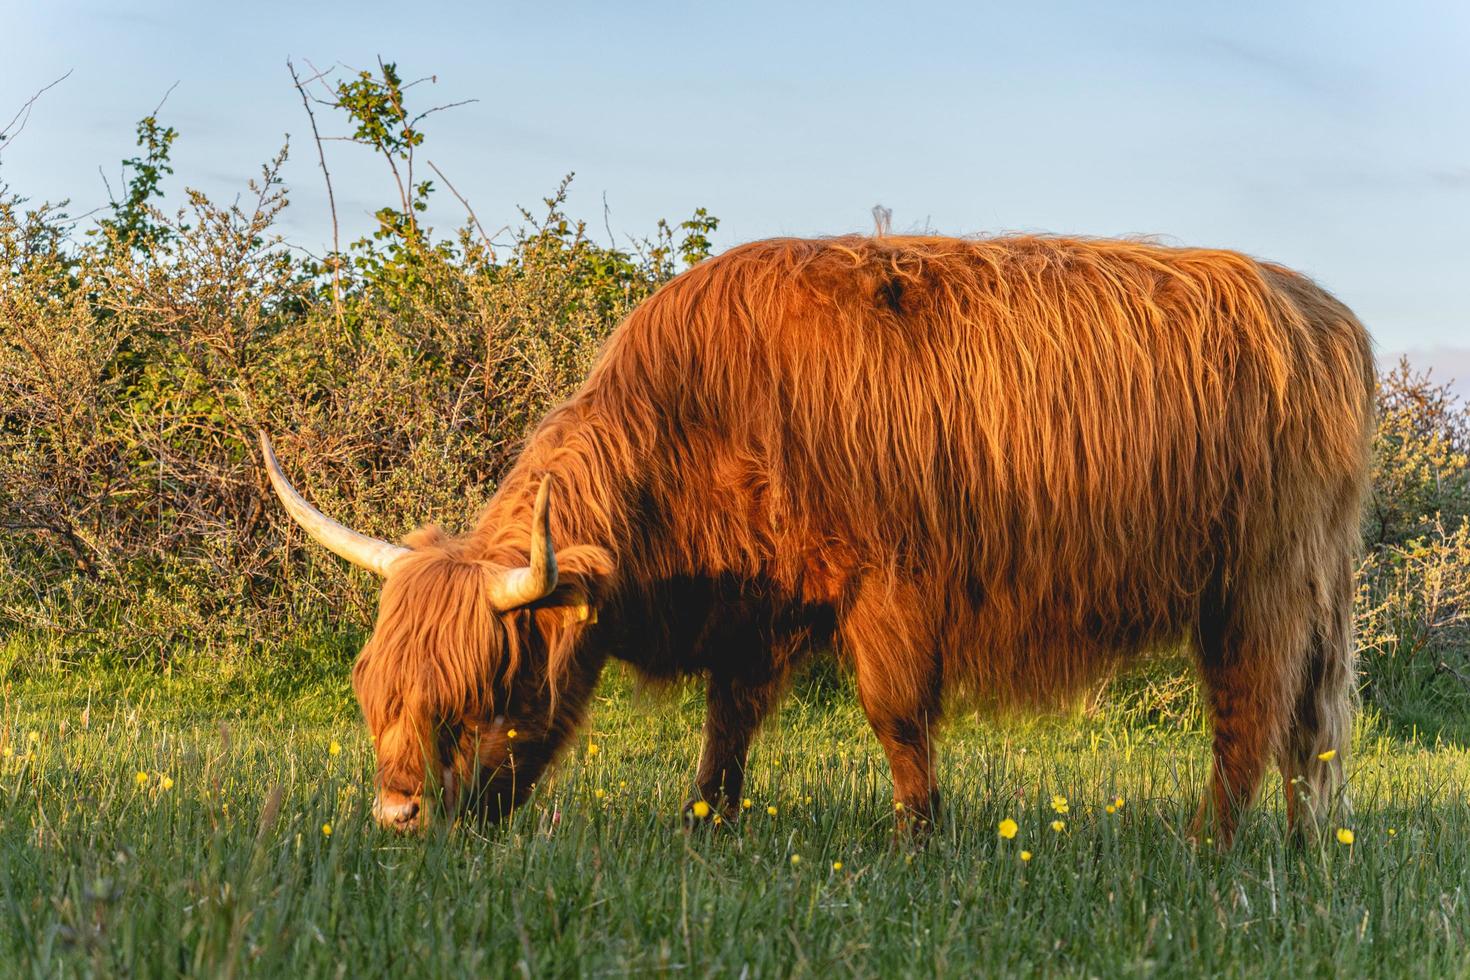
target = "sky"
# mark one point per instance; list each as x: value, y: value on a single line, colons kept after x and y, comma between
x: 1331, y: 137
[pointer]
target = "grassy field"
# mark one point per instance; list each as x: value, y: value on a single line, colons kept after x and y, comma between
x: 215, y: 821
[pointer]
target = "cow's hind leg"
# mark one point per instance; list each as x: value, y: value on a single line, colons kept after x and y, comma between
x: 896, y: 659
x: 1249, y: 655
x: 1315, y: 748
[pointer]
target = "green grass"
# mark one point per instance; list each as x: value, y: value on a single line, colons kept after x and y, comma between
x: 229, y: 871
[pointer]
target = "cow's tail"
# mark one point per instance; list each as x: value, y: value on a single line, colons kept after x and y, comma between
x: 1314, y: 756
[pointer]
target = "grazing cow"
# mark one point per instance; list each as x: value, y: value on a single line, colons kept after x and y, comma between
x: 991, y: 469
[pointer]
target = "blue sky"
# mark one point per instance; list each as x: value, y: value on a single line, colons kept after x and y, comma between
x: 1333, y: 137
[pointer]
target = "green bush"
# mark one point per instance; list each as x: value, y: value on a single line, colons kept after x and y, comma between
x: 1414, y: 584
x: 137, y: 362
x: 399, y: 375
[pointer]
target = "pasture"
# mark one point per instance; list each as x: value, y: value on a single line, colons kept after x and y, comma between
x: 214, y: 820
x: 185, y: 779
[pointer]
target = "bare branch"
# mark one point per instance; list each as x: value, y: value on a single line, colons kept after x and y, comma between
x: 439, y: 108
x: 473, y: 217
x: 22, y: 116
x: 331, y: 198
x: 159, y: 108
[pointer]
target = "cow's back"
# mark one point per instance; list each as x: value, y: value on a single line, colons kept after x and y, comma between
x: 1069, y: 439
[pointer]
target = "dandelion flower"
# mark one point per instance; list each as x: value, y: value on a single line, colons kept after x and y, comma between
x: 592, y: 749
x: 795, y: 859
x: 771, y: 811
x: 33, y: 737
x: 599, y: 792
x: 1111, y: 808
x: 1059, y: 825
x: 166, y: 782
x: 141, y: 778
x: 1392, y: 832
x: 898, y: 806
x: 1025, y: 855
x: 1007, y: 828
x: 622, y: 784
x: 1059, y: 803
x: 718, y: 820
x: 326, y: 830
x: 836, y: 865
x: 1345, y: 836
x: 807, y: 801
x: 7, y: 752
x: 1327, y: 756
x: 1118, y: 803
x: 747, y: 803
x: 700, y: 809
x: 334, y: 747
x: 511, y: 733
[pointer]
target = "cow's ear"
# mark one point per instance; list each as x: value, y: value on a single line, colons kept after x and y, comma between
x: 584, y: 576
x: 428, y: 536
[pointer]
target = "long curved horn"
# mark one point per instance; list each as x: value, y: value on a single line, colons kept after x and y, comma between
x: 363, y: 551
x: 519, y: 587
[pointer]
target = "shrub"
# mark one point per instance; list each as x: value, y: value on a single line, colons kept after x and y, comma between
x: 399, y: 376
x: 137, y: 362
x: 1414, y: 584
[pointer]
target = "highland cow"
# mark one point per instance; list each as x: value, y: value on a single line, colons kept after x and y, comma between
x: 978, y: 470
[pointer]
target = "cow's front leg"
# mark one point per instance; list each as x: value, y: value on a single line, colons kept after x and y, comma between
x: 734, y: 709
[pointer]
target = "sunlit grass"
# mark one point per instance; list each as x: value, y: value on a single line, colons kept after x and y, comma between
x: 140, y: 835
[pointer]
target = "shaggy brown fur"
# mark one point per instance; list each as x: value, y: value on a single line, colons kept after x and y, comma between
x: 992, y: 468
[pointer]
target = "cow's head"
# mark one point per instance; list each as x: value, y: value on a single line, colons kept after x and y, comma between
x: 459, y: 682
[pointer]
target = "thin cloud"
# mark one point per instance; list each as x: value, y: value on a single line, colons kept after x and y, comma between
x: 1291, y: 69
x: 1452, y: 179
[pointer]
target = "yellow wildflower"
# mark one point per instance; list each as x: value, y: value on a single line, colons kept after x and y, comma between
x: 1345, y: 836
x: 771, y: 811
x: 700, y: 809
x: 592, y: 749
x: 1025, y: 855
x: 1059, y: 825
x: 1110, y: 808
x: 747, y: 803
x: 1118, y: 803
x: 718, y: 820
x: 7, y: 752
x: 334, y: 747
x: 511, y: 733
x: 795, y: 859
x: 326, y: 830
x: 34, y: 736
x: 166, y: 782
x: 1327, y: 756
x: 836, y: 865
x: 1007, y: 828
x: 141, y: 778
x: 898, y: 806
x: 1059, y: 803
x: 599, y: 793
x: 1392, y: 832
